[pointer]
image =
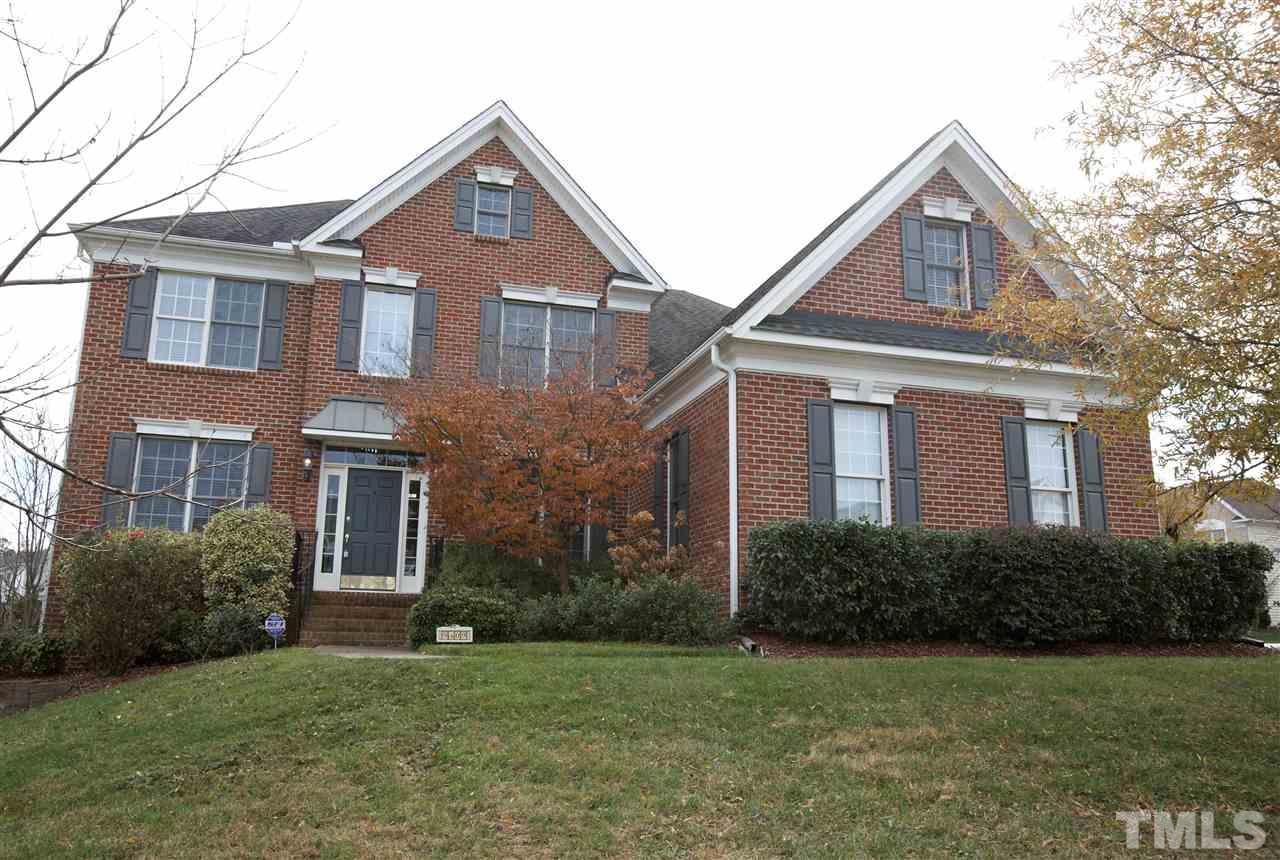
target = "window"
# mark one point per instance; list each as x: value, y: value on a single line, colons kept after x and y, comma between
x: 412, y: 517
x: 215, y: 471
x: 529, y: 356
x: 944, y: 256
x: 1052, y: 474
x: 861, y: 449
x: 329, y: 537
x: 388, y: 332
x: 493, y: 211
x: 207, y: 321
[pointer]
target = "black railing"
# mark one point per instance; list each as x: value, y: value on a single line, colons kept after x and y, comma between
x: 304, y: 562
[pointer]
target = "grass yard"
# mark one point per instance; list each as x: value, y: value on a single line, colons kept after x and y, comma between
x: 564, y: 750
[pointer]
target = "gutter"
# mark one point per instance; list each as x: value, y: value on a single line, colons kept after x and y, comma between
x: 732, y: 375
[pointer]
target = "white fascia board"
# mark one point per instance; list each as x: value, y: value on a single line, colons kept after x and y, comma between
x: 496, y: 121
x: 624, y: 295
x: 692, y: 384
x: 884, y: 371
x: 673, y: 375
x: 953, y: 149
x: 340, y: 436
x: 194, y: 430
x: 112, y: 245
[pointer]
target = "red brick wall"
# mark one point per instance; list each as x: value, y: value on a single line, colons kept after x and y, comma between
x: 418, y: 236
x: 868, y: 281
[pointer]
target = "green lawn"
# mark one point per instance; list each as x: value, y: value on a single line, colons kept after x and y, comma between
x: 563, y: 750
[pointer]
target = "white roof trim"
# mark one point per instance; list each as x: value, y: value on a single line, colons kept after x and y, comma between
x: 496, y: 121
x: 955, y: 149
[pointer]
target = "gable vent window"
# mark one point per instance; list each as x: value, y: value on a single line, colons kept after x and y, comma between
x: 493, y: 211
x: 944, y: 255
x: 207, y: 321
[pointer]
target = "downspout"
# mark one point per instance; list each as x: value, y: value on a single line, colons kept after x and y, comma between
x: 732, y: 375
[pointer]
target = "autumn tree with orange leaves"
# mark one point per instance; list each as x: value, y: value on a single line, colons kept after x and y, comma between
x: 523, y: 465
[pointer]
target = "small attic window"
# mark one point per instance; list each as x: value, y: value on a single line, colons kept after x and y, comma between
x: 493, y: 211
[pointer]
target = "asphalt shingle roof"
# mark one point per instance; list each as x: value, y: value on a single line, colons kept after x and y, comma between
x: 1254, y: 508
x: 262, y: 226
x: 888, y: 332
x: 678, y: 322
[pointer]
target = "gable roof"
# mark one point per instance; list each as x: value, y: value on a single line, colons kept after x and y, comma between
x: 678, y: 322
x: 1249, y: 507
x: 264, y: 225
x: 952, y: 147
x: 498, y: 120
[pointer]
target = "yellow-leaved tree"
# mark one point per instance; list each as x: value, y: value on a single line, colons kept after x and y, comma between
x: 1173, y: 251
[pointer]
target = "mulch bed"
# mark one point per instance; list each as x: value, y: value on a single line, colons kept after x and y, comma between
x: 777, y: 646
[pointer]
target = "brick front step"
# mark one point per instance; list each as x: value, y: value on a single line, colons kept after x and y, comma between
x: 357, y: 618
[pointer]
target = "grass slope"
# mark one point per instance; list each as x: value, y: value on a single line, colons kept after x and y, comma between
x: 563, y: 751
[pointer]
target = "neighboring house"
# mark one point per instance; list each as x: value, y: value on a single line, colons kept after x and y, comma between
x: 858, y: 381
x: 252, y: 353
x: 1248, y: 518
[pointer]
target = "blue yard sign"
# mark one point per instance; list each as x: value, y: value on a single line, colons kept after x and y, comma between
x: 275, y: 627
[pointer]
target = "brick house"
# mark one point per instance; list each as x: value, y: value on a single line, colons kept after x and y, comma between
x: 856, y: 381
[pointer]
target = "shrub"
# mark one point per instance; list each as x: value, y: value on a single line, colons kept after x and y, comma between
x: 492, y: 614
x: 479, y: 565
x: 248, y: 557
x: 657, y: 609
x: 850, y: 581
x: 229, y: 631
x: 30, y: 652
x: 124, y: 590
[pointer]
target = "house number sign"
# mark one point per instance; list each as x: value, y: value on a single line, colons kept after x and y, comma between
x: 454, y: 633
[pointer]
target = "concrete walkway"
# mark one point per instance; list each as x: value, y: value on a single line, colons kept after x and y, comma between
x: 358, y: 652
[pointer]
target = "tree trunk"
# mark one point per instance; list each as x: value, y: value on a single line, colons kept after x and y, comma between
x: 564, y: 573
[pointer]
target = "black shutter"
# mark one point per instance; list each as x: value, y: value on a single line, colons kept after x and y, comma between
x: 906, y: 467
x: 680, y: 488
x: 521, y: 213
x: 490, y: 333
x: 349, y: 325
x: 258, y: 489
x: 1017, y: 473
x: 121, y: 449
x: 660, y: 493
x: 464, y: 206
x: 598, y: 536
x: 984, y: 265
x: 271, y: 343
x: 136, y: 341
x: 424, y: 330
x: 1095, y: 497
x: 913, y: 258
x: 822, y: 460
x: 606, y: 357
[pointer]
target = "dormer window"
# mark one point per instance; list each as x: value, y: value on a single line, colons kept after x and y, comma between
x: 493, y: 211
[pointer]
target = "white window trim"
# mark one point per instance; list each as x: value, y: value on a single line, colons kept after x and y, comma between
x: 332, y: 581
x: 546, y: 333
x: 198, y: 430
x: 475, y: 217
x: 1071, y: 492
x: 966, y: 303
x: 391, y: 277
x: 549, y: 296
x: 193, y: 465
x: 948, y: 209
x: 494, y: 175
x: 886, y: 511
x: 208, y: 322
x: 671, y: 487
x: 364, y: 331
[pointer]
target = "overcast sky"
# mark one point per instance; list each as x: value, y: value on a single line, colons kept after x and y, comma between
x: 717, y: 137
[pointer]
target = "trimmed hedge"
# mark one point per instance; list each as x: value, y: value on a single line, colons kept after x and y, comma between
x: 492, y: 614
x: 657, y: 609
x: 30, y: 652
x: 246, y: 560
x: 850, y: 581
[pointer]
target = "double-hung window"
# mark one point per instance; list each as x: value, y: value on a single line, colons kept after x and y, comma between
x: 945, y: 280
x: 388, y: 332
x: 493, y: 211
x: 209, y: 321
x: 211, y: 473
x: 862, y: 463
x: 541, y: 341
x: 1052, y: 472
